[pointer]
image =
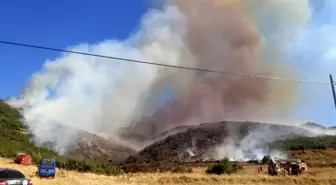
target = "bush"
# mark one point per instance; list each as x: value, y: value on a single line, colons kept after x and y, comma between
x: 237, y: 167
x: 182, y: 169
x: 266, y: 159
x: 224, y: 167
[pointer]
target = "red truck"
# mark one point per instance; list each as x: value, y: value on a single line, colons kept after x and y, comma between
x: 22, y: 158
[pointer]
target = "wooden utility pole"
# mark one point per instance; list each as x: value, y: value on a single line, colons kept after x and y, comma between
x: 333, y: 88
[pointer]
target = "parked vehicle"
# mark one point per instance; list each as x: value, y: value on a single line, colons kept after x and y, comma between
x: 10, y: 176
x: 286, y: 167
x: 22, y: 158
x: 47, y: 168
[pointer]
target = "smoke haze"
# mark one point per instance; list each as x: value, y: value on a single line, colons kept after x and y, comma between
x: 107, y: 97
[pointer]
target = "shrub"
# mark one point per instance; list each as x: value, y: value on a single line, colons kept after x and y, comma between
x: 182, y: 169
x: 224, y: 167
x: 237, y: 167
x: 266, y: 159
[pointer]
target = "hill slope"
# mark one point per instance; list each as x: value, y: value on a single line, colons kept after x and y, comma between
x: 302, y: 143
x: 14, y: 139
x: 13, y: 135
x: 202, y: 142
x: 86, y: 145
x: 314, y: 125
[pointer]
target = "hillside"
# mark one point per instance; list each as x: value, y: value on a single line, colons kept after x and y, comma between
x: 14, y: 138
x: 172, y: 131
x: 181, y: 144
x: 86, y: 145
x: 199, y: 143
x: 89, y: 146
x: 13, y: 135
x: 304, y: 143
x: 314, y: 125
x: 319, y: 128
x: 92, y: 147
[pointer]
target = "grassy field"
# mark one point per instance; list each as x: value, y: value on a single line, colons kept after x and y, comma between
x: 316, y: 158
x: 250, y: 175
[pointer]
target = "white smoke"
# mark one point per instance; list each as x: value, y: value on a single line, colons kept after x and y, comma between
x: 254, y: 146
x: 279, y: 22
x: 100, y: 95
x: 103, y: 95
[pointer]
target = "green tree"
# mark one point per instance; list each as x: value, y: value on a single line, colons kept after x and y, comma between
x: 266, y: 159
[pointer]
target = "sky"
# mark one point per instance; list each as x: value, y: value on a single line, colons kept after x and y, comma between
x: 62, y: 23
x: 57, y: 24
x: 315, y: 58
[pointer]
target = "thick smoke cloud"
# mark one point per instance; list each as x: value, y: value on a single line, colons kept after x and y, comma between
x: 107, y: 97
x: 234, y: 36
x: 100, y: 95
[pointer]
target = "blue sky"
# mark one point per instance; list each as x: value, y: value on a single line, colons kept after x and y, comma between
x: 64, y: 23
x: 315, y: 58
x: 59, y: 24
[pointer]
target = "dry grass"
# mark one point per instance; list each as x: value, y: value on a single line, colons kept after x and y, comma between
x: 249, y: 176
x: 316, y: 157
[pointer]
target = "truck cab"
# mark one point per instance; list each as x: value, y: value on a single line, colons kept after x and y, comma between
x: 47, y: 168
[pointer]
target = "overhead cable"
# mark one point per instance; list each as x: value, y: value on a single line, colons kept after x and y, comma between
x: 160, y: 64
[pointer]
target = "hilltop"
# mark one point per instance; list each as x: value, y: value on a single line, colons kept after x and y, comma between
x: 318, y: 127
x: 314, y: 125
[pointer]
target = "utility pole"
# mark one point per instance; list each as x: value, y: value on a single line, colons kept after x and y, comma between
x: 333, y: 88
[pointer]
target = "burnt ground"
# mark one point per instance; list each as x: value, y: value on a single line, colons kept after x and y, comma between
x: 88, y: 146
x: 92, y: 147
x: 193, y: 145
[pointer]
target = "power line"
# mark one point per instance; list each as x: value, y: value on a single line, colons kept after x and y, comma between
x: 158, y: 64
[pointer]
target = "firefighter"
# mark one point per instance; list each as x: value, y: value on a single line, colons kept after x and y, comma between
x: 62, y: 169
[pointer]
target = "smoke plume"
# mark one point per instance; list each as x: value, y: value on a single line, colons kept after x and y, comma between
x: 229, y: 37
x: 110, y: 97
